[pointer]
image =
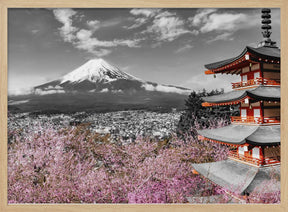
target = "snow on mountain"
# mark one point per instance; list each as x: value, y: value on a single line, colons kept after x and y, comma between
x: 97, y: 75
x: 96, y: 70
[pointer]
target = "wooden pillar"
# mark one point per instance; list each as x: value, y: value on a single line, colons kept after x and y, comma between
x: 262, y: 111
x: 261, y: 70
x: 261, y: 152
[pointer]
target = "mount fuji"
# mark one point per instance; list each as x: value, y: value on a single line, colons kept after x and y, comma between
x: 97, y: 75
x: 99, y: 87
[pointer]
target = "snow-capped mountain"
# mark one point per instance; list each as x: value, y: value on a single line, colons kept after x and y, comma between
x: 99, y: 76
x: 96, y: 70
x: 101, y: 87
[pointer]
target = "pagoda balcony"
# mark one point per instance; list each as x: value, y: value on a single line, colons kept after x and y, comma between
x: 266, y: 161
x: 255, y: 82
x: 255, y: 120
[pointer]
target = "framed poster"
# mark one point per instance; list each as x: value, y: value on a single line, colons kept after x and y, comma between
x: 125, y: 106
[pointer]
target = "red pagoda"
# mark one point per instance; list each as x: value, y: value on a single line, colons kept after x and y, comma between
x: 254, y: 136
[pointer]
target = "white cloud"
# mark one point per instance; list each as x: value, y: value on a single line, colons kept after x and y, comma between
x: 93, y: 24
x: 105, y: 90
x: 224, y: 22
x: 64, y: 16
x: 208, y: 20
x: 224, y: 36
x: 58, y: 87
x: 50, y: 87
x: 165, y: 14
x: 18, y: 102
x: 201, y: 16
x: 83, y: 38
x: 83, y: 34
x: 168, y: 89
x: 137, y: 23
x: 111, y: 22
x: 164, y: 26
x: 168, y: 27
x: 145, y: 12
x: 148, y: 87
x: 46, y: 92
x: 145, y: 16
x: 164, y: 88
x: 130, y: 43
x: 95, y: 46
x: 184, y: 48
x: 79, y: 16
x: 96, y: 24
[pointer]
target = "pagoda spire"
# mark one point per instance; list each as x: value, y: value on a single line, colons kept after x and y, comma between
x: 266, y: 27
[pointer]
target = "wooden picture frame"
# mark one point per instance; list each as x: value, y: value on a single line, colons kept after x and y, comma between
x: 5, y: 4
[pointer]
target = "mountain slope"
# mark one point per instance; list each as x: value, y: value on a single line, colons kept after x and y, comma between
x: 96, y: 70
x: 98, y: 86
x: 99, y: 76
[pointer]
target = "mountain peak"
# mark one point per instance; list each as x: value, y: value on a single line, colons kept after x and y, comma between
x: 97, y: 62
x: 97, y: 75
x: 96, y: 70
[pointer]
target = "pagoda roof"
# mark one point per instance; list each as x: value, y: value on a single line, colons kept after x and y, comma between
x: 264, y: 93
x: 239, y: 177
x: 235, y: 134
x: 272, y: 53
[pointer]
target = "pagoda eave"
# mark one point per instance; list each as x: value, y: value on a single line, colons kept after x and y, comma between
x: 248, y: 56
x: 260, y: 93
x: 236, y: 102
x: 202, y: 138
x: 239, y: 178
x: 238, y: 135
x: 231, y: 68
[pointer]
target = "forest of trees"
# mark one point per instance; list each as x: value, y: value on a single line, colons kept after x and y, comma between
x: 204, y: 116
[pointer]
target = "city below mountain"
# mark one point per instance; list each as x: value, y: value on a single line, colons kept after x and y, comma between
x: 99, y: 86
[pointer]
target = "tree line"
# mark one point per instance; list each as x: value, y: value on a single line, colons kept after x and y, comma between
x: 195, y: 116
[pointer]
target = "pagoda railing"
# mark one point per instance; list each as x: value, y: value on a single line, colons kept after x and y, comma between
x: 257, y: 81
x: 255, y: 120
x: 256, y: 161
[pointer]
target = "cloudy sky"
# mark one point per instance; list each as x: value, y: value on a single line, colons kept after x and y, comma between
x: 168, y: 46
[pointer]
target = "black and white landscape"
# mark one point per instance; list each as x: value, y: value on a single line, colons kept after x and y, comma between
x: 96, y: 75
x: 99, y: 86
x: 73, y: 60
